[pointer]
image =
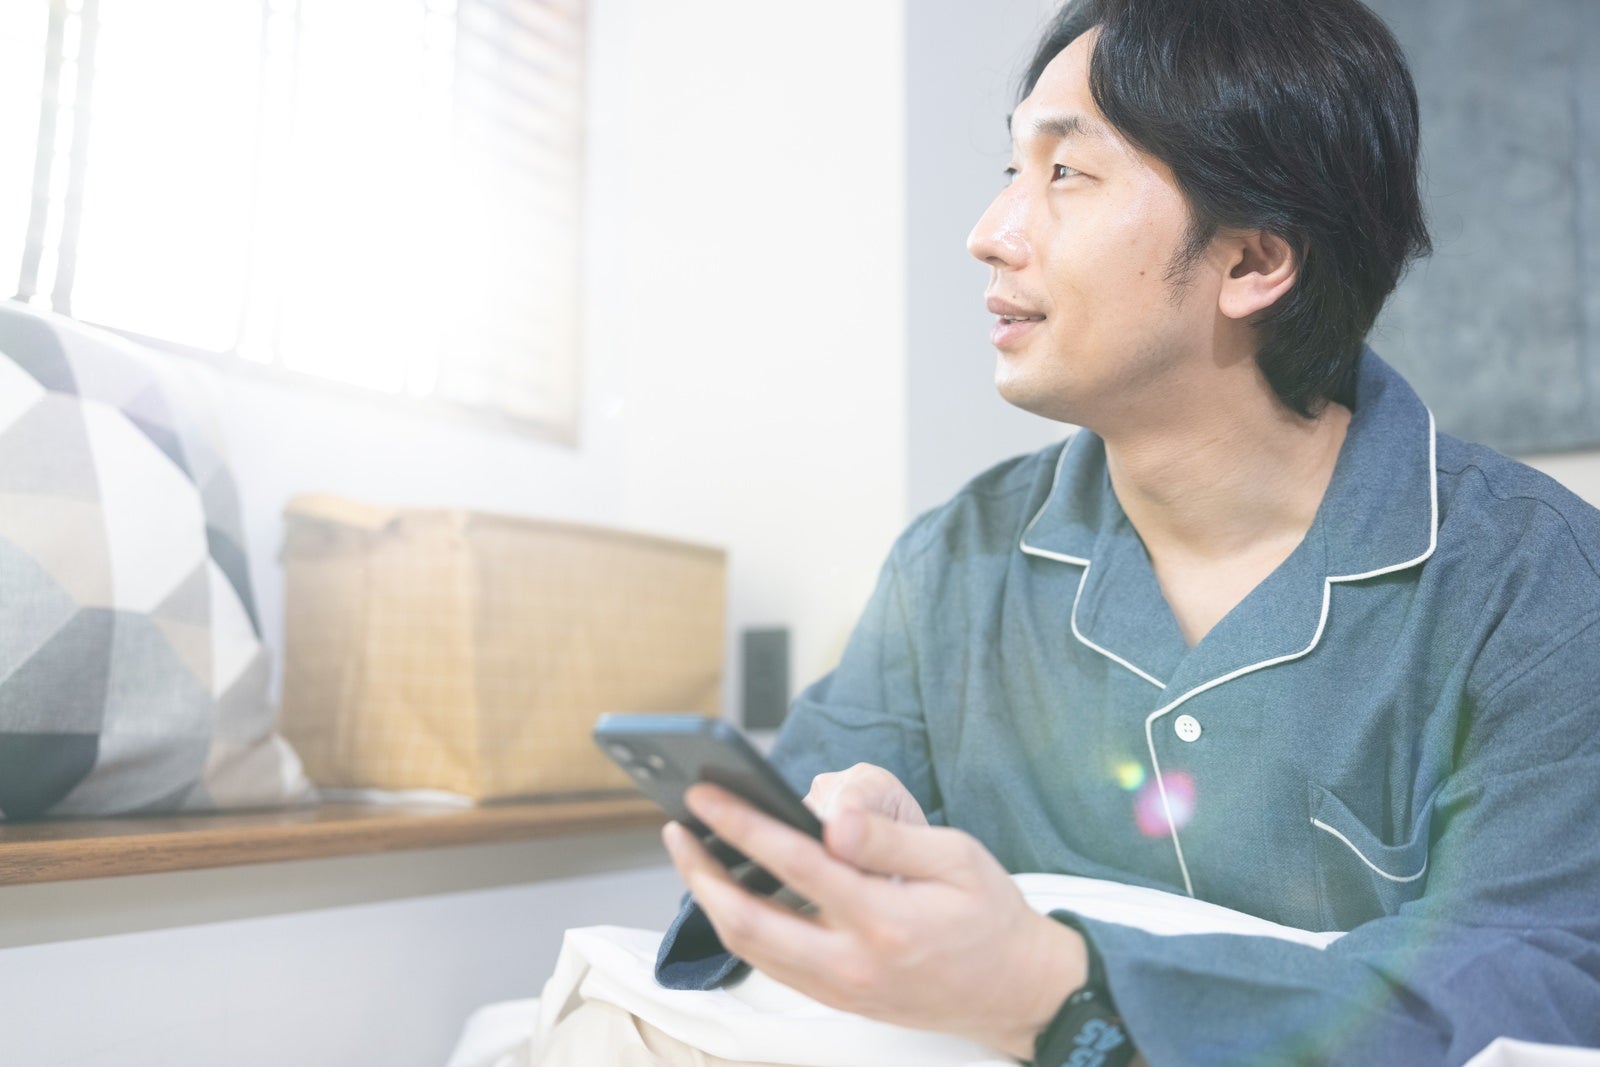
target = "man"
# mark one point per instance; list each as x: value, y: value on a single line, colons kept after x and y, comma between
x: 1256, y: 634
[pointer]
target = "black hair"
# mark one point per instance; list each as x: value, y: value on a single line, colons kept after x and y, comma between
x: 1292, y: 117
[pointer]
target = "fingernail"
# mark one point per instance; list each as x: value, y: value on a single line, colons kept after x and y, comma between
x: 830, y: 808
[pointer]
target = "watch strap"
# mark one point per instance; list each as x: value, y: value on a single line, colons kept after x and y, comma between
x: 1087, y: 1031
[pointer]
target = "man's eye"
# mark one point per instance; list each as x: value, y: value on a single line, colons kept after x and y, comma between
x: 1057, y: 173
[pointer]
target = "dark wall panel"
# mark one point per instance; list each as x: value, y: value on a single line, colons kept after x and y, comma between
x: 1498, y: 330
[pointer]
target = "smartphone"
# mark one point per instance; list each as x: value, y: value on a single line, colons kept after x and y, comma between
x: 666, y: 754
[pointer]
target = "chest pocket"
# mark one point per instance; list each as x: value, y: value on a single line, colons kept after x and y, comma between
x: 1360, y: 876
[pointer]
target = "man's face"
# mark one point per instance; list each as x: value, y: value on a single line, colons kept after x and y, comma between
x: 1082, y: 244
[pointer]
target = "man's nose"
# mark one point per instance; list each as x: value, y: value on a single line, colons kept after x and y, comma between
x: 1000, y: 237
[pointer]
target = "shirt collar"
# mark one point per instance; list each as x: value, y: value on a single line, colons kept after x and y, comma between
x: 1380, y: 512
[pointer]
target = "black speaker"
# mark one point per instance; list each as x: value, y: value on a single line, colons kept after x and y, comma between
x: 766, y: 677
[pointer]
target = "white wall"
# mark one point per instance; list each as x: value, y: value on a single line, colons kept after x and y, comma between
x: 962, y: 62
x: 744, y: 324
x: 320, y: 963
x: 764, y: 345
x: 1578, y: 471
x: 745, y: 386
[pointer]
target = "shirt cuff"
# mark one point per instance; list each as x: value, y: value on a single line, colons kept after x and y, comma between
x: 692, y: 956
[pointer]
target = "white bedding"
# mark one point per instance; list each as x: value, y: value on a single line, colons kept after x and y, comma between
x: 761, y: 1019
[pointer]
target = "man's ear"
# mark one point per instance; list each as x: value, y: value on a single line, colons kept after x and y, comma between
x: 1264, y: 268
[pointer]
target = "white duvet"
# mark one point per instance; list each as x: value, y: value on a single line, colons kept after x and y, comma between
x: 759, y: 1019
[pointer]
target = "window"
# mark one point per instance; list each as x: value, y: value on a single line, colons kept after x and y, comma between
x: 383, y: 193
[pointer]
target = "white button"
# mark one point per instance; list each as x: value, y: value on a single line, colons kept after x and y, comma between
x: 1187, y: 727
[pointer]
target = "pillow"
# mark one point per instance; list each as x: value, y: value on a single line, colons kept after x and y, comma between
x: 133, y: 677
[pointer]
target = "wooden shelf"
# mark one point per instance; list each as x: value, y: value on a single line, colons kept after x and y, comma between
x: 58, y: 850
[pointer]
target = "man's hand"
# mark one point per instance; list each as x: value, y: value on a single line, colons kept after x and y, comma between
x: 864, y: 787
x: 916, y: 925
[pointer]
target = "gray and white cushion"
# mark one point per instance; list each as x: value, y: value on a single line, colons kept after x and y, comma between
x: 133, y: 677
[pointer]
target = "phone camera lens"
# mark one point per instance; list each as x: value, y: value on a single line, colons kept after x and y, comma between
x: 621, y: 752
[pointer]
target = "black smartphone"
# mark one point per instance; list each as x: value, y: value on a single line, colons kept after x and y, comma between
x: 666, y: 754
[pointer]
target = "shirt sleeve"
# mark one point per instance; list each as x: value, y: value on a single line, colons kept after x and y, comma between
x: 867, y: 710
x: 1504, y: 942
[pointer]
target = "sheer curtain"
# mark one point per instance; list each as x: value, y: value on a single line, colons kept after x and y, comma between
x: 383, y: 193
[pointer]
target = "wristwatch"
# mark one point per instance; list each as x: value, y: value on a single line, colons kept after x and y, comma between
x: 1087, y: 1031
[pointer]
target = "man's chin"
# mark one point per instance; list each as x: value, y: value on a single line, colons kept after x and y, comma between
x: 1031, y: 396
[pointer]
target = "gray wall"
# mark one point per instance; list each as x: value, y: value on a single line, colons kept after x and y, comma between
x: 1498, y: 331
x: 962, y: 59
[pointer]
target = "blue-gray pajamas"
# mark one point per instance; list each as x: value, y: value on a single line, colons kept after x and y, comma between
x: 1397, y: 734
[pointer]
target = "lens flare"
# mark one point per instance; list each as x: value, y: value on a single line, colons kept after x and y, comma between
x: 1130, y: 776
x: 1151, y: 816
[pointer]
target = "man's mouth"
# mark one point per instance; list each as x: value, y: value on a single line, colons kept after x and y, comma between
x: 1010, y: 311
x: 1010, y: 330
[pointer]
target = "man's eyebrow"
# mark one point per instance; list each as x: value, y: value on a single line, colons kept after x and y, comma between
x: 1059, y: 127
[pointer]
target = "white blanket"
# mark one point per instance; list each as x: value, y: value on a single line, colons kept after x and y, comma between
x: 763, y: 1020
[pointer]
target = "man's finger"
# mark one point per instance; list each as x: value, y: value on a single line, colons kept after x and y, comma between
x: 876, y: 843
x: 794, y: 858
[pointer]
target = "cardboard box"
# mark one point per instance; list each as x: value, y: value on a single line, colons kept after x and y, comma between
x: 469, y: 652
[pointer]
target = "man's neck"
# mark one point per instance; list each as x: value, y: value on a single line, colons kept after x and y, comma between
x: 1231, y: 481
x: 1222, y: 496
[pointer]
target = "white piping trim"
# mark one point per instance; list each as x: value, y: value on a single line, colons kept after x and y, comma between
x: 1082, y: 578
x: 1055, y: 481
x: 1319, y: 824
x: 1316, y: 638
x: 1433, y: 519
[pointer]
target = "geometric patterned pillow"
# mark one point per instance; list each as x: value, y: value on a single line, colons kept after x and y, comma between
x: 133, y: 677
